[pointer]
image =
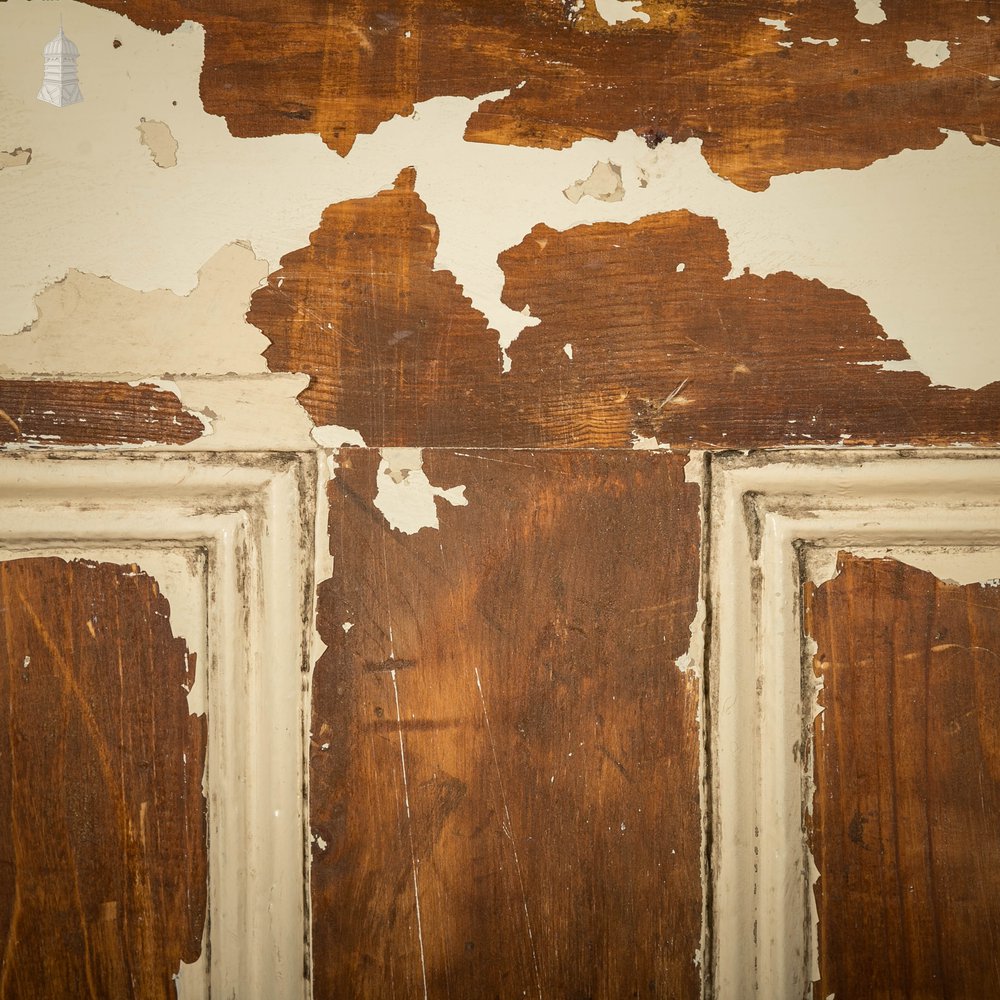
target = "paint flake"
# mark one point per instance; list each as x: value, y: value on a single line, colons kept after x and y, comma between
x: 159, y: 140
x: 405, y: 496
x: 604, y: 184
x: 620, y: 11
x: 928, y: 53
x: 869, y: 11
x: 17, y: 157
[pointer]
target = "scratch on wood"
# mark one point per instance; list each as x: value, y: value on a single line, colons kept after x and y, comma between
x: 414, y: 864
x: 509, y: 831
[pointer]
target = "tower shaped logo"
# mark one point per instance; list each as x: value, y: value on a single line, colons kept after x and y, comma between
x: 60, y: 85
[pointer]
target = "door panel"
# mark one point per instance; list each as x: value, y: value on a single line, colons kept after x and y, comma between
x: 103, y: 864
x: 504, y: 779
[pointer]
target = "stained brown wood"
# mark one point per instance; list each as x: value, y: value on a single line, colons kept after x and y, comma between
x: 102, y: 819
x: 698, y: 68
x: 499, y: 728
x: 40, y: 411
x: 396, y: 351
x: 906, y: 830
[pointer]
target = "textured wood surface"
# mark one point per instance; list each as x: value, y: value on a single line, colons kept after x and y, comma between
x: 906, y: 831
x: 395, y: 350
x: 102, y: 819
x: 36, y: 411
x: 499, y: 728
x: 698, y: 68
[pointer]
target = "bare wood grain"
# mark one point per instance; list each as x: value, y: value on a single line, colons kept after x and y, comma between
x: 102, y: 819
x: 500, y: 732
x: 906, y: 825
x: 691, y: 357
x: 69, y: 412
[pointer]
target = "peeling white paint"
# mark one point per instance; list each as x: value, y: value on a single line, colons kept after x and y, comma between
x: 568, y: 351
x: 869, y: 11
x: 620, y: 11
x: 16, y: 157
x: 642, y: 443
x: 778, y: 23
x: 335, y: 436
x: 950, y: 564
x: 922, y: 257
x: 159, y: 140
x: 809, y: 40
x: 405, y: 496
x: 928, y: 53
x: 249, y: 413
x: 156, y: 332
x: 604, y: 184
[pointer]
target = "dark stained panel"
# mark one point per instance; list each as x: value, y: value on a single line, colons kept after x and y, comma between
x: 396, y: 351
x: 64, y: 411
x: 500, y: 730
x: 906, y: 826
x: 697, y: 68
x: 102, y: 819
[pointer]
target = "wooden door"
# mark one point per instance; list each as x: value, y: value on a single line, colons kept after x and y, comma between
x: 499, y: 501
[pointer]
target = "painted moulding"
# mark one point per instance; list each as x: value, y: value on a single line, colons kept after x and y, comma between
x: 775, y: 519
x: 242, y: 524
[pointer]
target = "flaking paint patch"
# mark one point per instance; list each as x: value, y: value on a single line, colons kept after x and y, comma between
x: 250, y: 413
x: 620, y: 11
x: 604, y: 184
x: 693, y: 661
x: 958, y: 565
x: 929, y: 53
x: 156, y: 332
x: 334, y: 436
x: 869, y: 11
x: 405, y: 496
x: 159, y: 140
x: 916, y: 257
x: 17, y: 157
x: 913, y: 235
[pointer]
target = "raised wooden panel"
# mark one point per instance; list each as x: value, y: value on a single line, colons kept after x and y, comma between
x: 906, y: 818
x: 228, y: 540
x: 505, y: 765
x: 778, y: 520
x: 103, y: 858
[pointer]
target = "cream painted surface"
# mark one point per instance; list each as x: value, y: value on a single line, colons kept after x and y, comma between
x: 619, y: 11
x: 94, y: 326
x: 405, y: 495
x: 915, y: 235
x: 960, y: 565
x: 869, y: 11
x: 247, y: 414
x: 929, y: 53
